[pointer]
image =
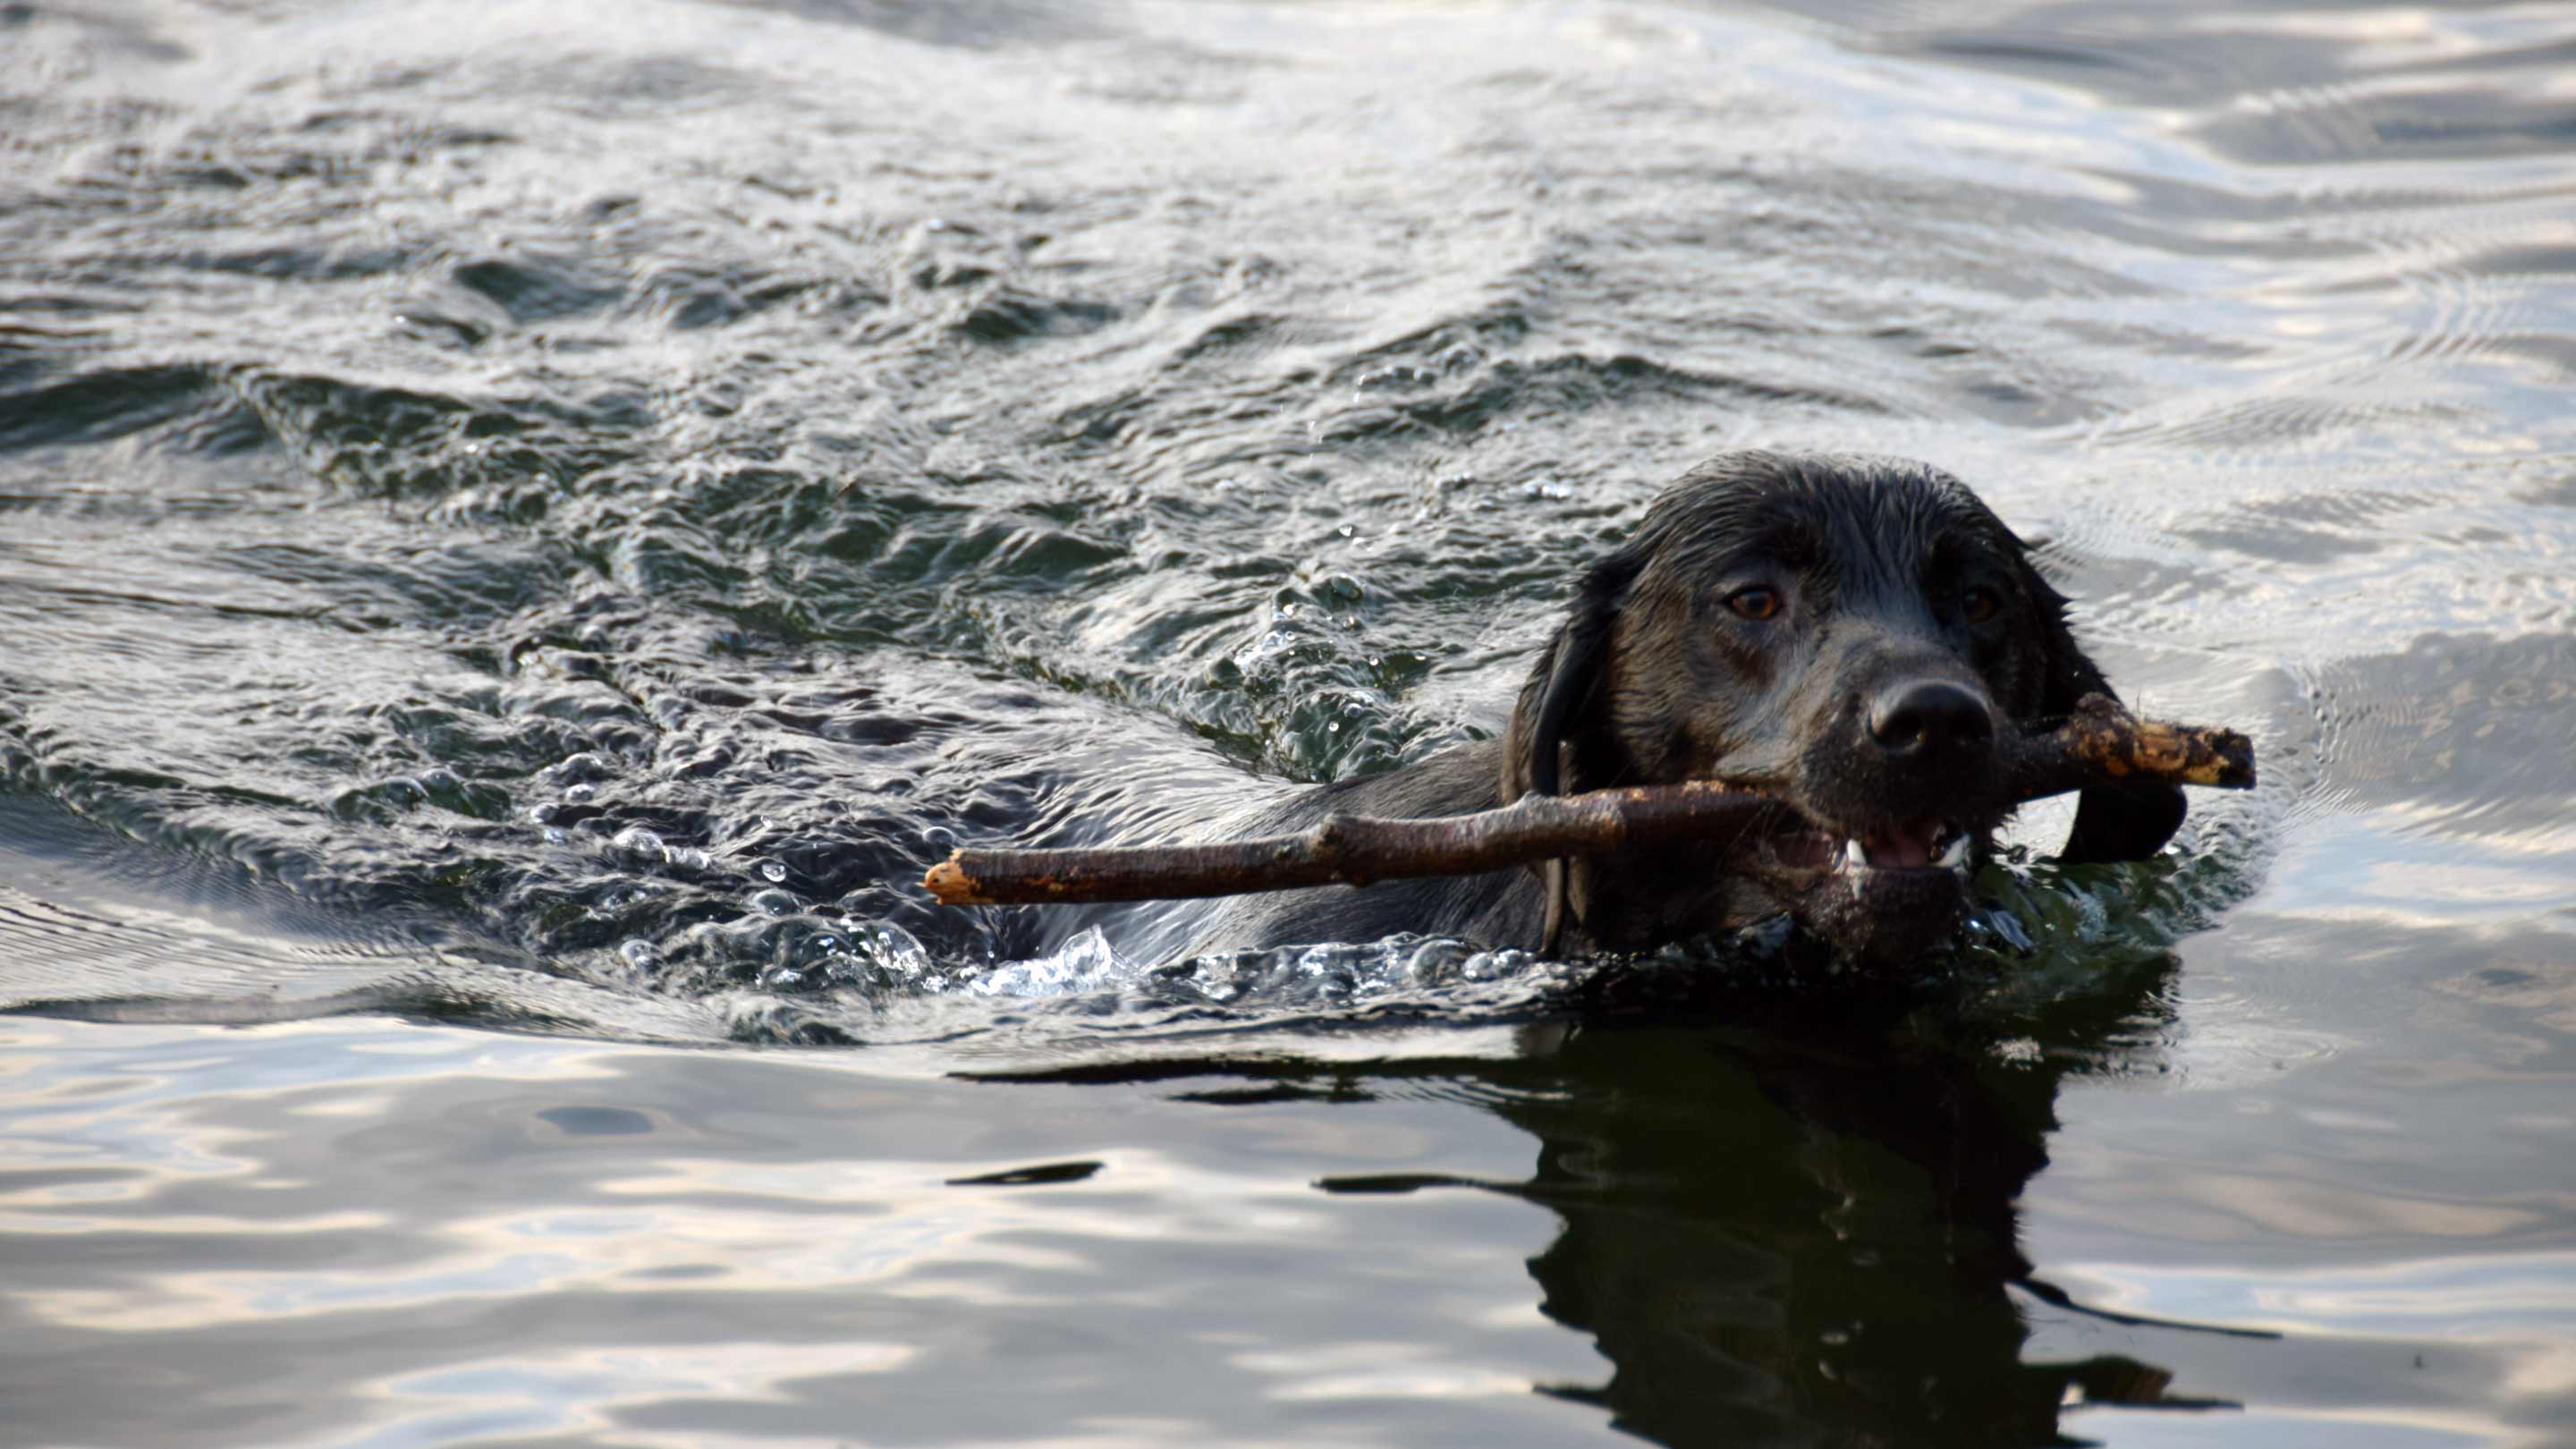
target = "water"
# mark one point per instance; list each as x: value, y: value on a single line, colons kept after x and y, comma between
x: 522, y: 527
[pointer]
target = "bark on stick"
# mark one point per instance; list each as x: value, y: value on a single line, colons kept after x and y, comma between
x: 2100, y: 744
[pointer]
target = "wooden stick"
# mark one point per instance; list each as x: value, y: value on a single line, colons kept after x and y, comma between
x: 1354, y: 849
x: 2101, y: 743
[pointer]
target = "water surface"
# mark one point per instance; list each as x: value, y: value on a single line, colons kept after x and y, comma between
x: 522, y: 527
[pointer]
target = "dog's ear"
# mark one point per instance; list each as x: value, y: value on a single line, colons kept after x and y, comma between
x: 1564, y: 677
x: 1560, y: 685
x: 2112, y: 822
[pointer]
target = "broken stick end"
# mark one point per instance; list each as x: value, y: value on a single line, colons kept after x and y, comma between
x: 2118, y: 743
x: 2222, y: 759
x: 949, y: 881
x: 2234, y: 768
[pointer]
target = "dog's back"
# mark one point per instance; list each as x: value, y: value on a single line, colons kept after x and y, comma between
x: 1500, y: 908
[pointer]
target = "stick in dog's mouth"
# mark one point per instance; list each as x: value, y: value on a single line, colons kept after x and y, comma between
x: 2099, y: 743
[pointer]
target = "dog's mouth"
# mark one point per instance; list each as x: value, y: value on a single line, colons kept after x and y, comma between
x: 1883, y: 894
x: 1923, y: 844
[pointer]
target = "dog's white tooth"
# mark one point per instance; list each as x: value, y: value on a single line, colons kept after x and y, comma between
x: 1854, y: 856
x: 1955, y: 855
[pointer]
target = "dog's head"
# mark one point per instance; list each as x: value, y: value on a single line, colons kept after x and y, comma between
x: 1855, y: 634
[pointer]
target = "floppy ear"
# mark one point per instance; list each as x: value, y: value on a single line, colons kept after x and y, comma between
x: 2112, y: 822
x: 1560, y: 684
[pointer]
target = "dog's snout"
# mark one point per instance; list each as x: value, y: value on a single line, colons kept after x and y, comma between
x: 1931, y: 719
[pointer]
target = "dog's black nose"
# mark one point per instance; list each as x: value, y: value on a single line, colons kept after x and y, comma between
x: 1931, y: 718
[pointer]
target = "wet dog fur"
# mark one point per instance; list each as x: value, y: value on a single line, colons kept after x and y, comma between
x: 1853, y: 632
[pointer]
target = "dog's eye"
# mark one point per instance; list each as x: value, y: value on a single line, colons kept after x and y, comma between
x: 1981, y: 604
x: 1755, y: 603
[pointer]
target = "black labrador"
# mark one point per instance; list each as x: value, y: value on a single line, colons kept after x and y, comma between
x: 1854, y: 631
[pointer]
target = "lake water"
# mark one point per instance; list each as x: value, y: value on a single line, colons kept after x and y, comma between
x: 523, y: 527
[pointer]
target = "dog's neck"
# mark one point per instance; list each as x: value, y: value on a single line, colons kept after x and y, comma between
x: 1633, y: 900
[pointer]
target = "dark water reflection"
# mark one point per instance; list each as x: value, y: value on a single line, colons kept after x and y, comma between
x: 1760, y: 1234
x: 517, y: 523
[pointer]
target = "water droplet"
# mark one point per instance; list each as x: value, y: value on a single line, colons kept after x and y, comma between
x: 776, y: 903
x: 771, y: 871
x: 896, y: 949
x: 579, y: 795
x: 577, y: 767
x: 1085, y: 963
x: 637, y: 841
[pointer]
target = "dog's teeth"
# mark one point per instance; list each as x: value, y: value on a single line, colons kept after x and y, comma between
x: 1955, y: 855
x: 1854, y: 856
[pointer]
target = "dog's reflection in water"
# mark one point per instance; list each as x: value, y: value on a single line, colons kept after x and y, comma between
x: 1782, y: 1221
x: 1804, y: 1236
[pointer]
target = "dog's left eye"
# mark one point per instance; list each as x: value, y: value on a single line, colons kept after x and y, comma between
x: 1755, y: 603
x: 1981, y: 604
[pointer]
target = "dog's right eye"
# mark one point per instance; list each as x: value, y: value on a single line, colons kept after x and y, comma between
x: 1757, y: 602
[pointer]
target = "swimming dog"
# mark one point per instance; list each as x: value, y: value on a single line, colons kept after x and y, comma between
x: 1854, y: 633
